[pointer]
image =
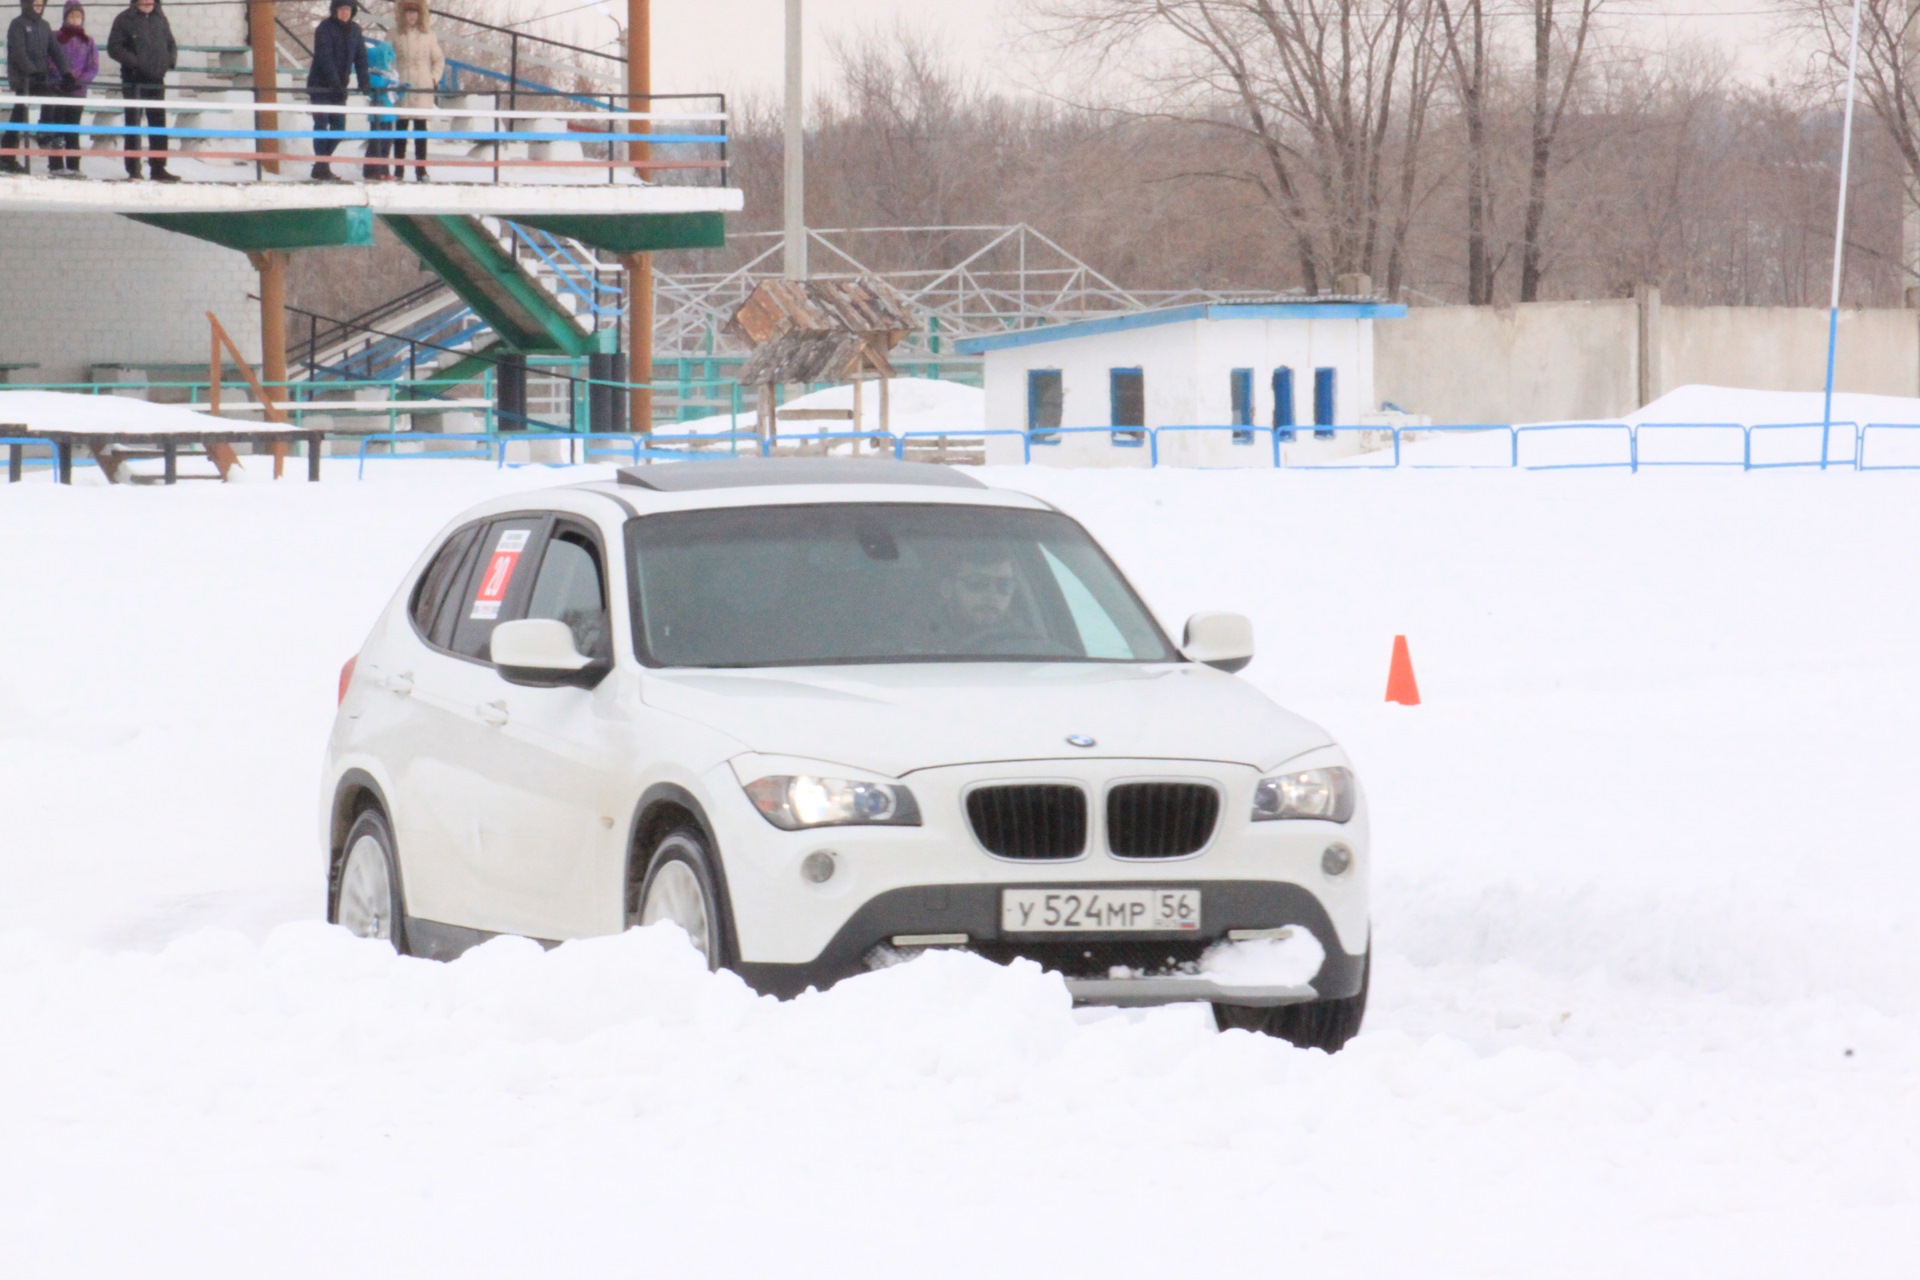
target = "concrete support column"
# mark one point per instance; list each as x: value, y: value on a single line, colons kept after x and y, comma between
x: 1651, y: 383
x: 266, y: 72
x: 272, y: 266
x: 640, y: 323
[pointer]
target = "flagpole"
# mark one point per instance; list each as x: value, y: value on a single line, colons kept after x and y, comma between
x: 1839, y: 235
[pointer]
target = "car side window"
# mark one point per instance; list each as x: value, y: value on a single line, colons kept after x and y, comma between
x: 497, y: 588
x: 572, y: 589
x: 430, y: 595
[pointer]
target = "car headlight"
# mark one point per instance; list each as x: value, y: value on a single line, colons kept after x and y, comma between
x: 792, y: 802
x: 1326, y: 794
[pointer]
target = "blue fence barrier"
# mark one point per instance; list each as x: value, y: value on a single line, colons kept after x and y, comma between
x: 485, y: 447
x: 1823, y: 431
x: 1026, y: 439
x: 1543, y: 430
x: 827, y: 438
x: 1511, y: 452
x: 1239, y: 438
x: 1860, y: 460
x: 17, y: 447
x: 1329, y: 433
x: 1626, y: 447
x: 1660, y: 430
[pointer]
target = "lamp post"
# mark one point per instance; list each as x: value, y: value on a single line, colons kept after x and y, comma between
x: 796, y: 169
x: 1839, y: 236
x: 639, y: 265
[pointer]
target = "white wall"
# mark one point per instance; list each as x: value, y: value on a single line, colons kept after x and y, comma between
x: 83, y: 289
x: 1187, y: 371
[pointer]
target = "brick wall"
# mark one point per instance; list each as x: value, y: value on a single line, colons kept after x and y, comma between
x: 78, y: 290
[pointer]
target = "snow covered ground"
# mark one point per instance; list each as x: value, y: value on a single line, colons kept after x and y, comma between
x: 1646, y: 999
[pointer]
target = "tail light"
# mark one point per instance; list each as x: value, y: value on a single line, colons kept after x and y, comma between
x: 346, y: 678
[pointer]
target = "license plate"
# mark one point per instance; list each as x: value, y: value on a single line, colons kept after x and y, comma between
x: 1099, y: 910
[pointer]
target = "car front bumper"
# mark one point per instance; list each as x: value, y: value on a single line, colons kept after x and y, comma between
x: 1100, y: 968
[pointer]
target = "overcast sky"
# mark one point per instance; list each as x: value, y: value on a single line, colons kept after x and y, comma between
x: 736, y: 45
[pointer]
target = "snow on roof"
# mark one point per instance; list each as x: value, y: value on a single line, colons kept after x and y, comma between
x: 1295, y: 309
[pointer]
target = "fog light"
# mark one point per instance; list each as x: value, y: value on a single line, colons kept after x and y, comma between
x: 817, y: 867
x: 1337, y: 858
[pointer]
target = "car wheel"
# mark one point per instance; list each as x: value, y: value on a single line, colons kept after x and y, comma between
x: 366, y: 897
x: 680, y: 886
x: 1316, y: 1024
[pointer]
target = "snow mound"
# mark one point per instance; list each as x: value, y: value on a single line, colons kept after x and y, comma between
x: 1697, y: 403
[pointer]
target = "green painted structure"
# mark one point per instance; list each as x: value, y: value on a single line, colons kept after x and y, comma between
x: 259, y: 230
x: 463, y: 253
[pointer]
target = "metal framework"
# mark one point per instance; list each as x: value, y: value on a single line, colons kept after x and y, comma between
x: 985, y: 280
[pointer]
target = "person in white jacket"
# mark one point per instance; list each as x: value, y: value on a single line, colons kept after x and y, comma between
x: 418, y: 64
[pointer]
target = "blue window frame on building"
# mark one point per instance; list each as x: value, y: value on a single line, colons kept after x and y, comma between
x: 1323, y: 402
x: 1045, y: 396
x: 1283, y: 402
x: 1242, y: 400
x: 1127, y: 397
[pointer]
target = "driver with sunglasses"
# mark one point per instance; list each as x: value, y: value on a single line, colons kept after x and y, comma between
x: 976, y: 598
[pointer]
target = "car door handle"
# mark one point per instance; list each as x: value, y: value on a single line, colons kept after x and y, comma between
x: 400, y: 682
x: 494, y: 713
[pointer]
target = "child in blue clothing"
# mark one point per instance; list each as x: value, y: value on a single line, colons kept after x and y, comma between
x: 385, y: 81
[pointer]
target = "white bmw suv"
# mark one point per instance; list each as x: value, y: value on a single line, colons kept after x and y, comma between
x: 825, y: 715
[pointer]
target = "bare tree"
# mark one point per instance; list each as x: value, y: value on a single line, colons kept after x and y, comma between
x: 1889, y: 71
x: 1559, y: 52
x: 1467, y: 40
x: 1324, y: 96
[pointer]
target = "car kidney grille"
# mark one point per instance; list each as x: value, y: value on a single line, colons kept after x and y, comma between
x: 1160, y: 819
x: 1030, y: 820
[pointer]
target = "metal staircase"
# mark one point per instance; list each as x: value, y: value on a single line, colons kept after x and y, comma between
x: 499, y: 282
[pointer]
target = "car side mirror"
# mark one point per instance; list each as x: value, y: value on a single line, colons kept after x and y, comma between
x: 1223, y: 640
x: 540, y: 652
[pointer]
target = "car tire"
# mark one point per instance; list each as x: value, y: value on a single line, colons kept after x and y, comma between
x: 1314, y: 1024
x: 681, y: 886
x: 366, y: 898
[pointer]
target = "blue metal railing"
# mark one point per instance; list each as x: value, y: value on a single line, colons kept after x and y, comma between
x: 577, y: 276
x: 17, y: 446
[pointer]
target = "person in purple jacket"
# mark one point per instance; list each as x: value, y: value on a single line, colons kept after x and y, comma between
x: 75, y: 60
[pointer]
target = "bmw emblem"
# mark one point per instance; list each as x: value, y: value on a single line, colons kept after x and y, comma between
x: 1079, y: 740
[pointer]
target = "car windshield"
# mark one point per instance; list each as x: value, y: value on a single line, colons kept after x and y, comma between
x: 846, y: 583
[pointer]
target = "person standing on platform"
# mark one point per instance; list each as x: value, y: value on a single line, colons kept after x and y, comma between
x: 76, y: 61
x: 420, y: 64
x: 141, y: 41
x: 339, y: 55
x: 380, y: 71
x: 29, y: 74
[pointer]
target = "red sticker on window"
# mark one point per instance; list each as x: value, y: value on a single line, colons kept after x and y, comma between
x: 499, y: 574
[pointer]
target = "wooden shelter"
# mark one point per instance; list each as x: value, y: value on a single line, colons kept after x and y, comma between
x: 820, y: 331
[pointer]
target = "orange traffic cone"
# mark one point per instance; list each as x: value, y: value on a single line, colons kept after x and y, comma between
x: 1400, y: 683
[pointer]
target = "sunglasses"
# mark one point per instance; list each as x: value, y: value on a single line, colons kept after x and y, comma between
x: 981, y: 583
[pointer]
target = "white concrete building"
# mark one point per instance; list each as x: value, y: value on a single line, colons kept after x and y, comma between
x: 1251, y: 366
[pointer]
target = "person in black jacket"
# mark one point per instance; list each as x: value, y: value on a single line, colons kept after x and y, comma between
x: 141, y: 41
x: 29, y: 74
x: 339, y: 52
